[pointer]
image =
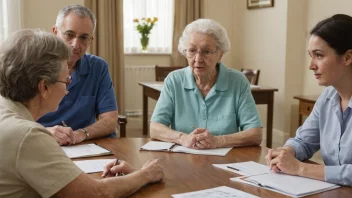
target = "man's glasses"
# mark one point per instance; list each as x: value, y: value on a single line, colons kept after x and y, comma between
x: 69, y: 36
x: 190, y: 53
x: 67, y: 82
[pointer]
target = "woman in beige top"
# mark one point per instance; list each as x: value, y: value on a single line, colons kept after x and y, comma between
x: 33, y: 80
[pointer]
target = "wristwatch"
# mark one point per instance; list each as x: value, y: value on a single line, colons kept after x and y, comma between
x: 85, y: 132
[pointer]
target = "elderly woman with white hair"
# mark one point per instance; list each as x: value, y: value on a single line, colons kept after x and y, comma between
x: 206, y: 104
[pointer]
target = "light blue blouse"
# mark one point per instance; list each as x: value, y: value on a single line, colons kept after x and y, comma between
x: 329, y: 129
x: 228, y: 107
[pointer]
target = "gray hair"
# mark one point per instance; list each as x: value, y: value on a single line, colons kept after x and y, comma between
x: 205, y: 26
x: 79, y: 10
x: 27, y: 57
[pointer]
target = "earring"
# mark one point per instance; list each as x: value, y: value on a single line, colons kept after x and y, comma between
x: 45, y: 96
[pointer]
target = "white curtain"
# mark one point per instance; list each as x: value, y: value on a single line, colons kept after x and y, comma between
x: 10, y: 18
x: 160, y: 39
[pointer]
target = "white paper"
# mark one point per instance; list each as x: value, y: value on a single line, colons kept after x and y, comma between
x: 93, y: 166
x: 164, y: 146
x: 157, y: 146
x: 224, y: 166
x: 84, y: 150
x: 245, y: 168
x: 217, y: 151
x: 218, y: 192
x: 295, y: 186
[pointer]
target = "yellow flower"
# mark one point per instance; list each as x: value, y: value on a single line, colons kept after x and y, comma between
x: 135, y: 20
x: 155, y: 19
x: 149, y: 20
x: 145, y: 25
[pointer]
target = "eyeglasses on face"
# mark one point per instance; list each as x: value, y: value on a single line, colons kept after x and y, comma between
x: 191, y: 52
x: 84, y: 38
x: 67, y: 82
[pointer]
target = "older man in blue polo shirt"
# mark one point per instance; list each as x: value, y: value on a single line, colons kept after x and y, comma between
x: 91, y: 92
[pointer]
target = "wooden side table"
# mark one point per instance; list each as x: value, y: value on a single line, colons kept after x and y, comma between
x: 306, y: 104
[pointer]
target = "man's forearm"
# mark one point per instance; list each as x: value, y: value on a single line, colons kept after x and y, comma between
x: 102, y: 127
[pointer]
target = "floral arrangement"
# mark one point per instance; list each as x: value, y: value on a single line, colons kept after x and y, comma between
x: 144, y: 26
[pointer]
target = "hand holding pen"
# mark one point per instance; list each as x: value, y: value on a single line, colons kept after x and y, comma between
x: 117, y: 168
x: 62, y: 134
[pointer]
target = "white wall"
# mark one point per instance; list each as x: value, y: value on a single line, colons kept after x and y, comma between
x: 42, y: 13
x: 262, y: 45
x: 317, y: 11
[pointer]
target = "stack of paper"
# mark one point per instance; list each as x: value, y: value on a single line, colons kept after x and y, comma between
x: 85, y: 150
x: 172, y: 147
x: 259, y: 175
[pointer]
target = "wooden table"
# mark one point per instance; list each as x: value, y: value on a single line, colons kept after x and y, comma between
x: 187, y: 172
x: 262, y: 95
x: 306, y: 104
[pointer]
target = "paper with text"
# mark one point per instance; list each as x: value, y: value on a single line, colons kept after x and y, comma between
x: 218, y: 192
x: 85, y: 150
x: 93, y: 166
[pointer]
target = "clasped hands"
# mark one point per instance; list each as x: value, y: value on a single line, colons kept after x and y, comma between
x: 200, y: 138
x: 66, y: 136
x: 283, y: 159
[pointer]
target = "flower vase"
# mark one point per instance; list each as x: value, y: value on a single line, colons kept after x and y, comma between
x: 144, y: 43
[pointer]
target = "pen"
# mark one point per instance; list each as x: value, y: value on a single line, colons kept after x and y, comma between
x: 64, y: 124
x: 233, y: 168
x: 115, y: 164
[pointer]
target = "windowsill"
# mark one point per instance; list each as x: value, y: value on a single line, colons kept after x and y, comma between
x: 148, y: 54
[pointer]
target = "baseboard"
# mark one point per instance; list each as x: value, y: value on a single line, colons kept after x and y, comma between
x: 136, y: 112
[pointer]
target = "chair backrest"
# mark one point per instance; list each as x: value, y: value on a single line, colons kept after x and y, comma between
x: 162, y: 71
x: 252, y: 75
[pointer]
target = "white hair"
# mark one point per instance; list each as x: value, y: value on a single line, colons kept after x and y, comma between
x: 205, y: 26
x: 79, y: 10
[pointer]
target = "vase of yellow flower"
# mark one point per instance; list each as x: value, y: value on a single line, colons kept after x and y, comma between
x: 144, y: 26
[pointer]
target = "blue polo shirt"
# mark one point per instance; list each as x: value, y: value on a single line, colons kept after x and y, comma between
x: 91, y: 93
x: 229, y: 106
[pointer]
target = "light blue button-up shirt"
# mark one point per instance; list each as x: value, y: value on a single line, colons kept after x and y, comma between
x: 228, y: 107
x: 329, y: 129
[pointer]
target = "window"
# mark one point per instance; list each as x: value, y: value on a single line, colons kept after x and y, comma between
x: 3, y: 20
x: 160, y: 38
x: 9, y: 17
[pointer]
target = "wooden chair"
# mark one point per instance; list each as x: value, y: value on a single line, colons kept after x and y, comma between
x: 162, y: 71
x: 252, y: 75
x: 122, y: 121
